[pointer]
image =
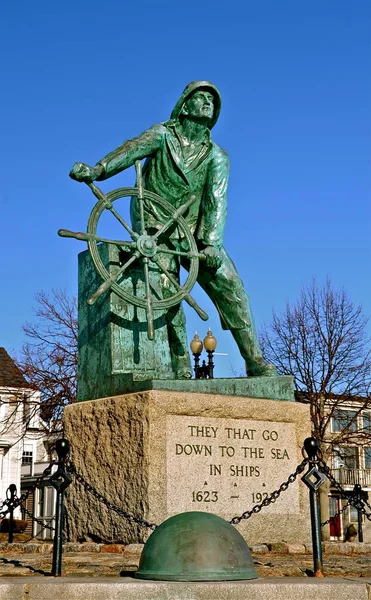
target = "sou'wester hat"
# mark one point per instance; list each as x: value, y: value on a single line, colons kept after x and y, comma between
x: 193, y: 87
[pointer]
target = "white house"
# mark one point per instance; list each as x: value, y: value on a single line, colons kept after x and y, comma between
x: 24, y: 448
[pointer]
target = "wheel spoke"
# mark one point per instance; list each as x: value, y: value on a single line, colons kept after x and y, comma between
x: 187, y: 297
x: 149, y: 309
x: 152, y: 299
x: 108, y: 204
x: 179, y: 253
x: 178, y: 213
x: 140, y: 197
x: 130, y: 231
x: 91, y: 237
x: 107, y: 284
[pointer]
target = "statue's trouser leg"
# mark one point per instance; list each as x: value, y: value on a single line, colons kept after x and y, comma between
x: 177, y: 335
x: 226, y: 290
x: 176, y: 324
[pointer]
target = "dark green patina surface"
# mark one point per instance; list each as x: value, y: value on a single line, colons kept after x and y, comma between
x: 178, y: 214
x: 115, y: 354
x: 271, y: 388
x: 196, y: 546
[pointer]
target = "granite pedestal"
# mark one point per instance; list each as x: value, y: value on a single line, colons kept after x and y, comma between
x: 157, y: 453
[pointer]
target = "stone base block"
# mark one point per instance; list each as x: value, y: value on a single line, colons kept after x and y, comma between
x: 127, y: 588
x: 158, y: 453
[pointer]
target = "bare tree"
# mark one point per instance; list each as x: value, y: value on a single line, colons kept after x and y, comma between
x: 49, y: 360
x: 321, y: 341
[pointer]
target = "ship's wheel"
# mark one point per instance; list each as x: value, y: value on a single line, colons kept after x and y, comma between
x: 142, y: 248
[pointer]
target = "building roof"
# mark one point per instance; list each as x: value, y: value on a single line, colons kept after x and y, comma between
x: 305, y: 397
x: 10, y: 375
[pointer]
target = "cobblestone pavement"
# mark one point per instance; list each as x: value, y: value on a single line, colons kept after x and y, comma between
x: 92, y: 564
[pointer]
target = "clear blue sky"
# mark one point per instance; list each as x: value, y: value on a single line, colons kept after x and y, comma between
x: 78, y: 78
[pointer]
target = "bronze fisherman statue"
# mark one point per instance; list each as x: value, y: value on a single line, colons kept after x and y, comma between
x: 182, y: 162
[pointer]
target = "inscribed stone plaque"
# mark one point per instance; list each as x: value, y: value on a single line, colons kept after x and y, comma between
x: 226, y: 466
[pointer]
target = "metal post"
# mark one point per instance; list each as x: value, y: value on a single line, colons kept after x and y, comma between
x: 211, y: 364
x: 357, y: 491
x: 314, y: 479
x: 12, y: 489
x: 60, y: 480
x: 360, y: 530
x: 316, y: 533
x: 203, y: 371
x: 58, y: 536
x: 197, y: 364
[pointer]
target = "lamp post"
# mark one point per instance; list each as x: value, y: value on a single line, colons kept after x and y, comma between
x: 196, y: 348
x: 205, y: 371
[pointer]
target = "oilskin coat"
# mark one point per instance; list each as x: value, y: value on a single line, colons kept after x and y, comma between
x: 206, y: 177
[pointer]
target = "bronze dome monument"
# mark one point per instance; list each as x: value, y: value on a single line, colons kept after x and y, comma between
x: 196, y: 546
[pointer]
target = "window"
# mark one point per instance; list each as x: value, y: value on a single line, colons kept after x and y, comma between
x: 341, y: 419
x: 333, y: 506
x: 367, y: 455
x: 353, y: 514
x: 366, y: 420
x: 46, y: 504
x: 27, y: 456
x: 346, y: 457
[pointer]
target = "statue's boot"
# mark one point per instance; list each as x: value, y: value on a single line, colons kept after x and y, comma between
x: 250, y: 352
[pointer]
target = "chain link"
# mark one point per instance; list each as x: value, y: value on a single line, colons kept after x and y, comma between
x: 38, y: 521
x: 273, y: 496
x: 353, y: 500
x: 367, y: 504
x: 70, y: 467
x: 22, y: 499
x: 340, y: 512
x: 4, y: 512
x: 32, y: 538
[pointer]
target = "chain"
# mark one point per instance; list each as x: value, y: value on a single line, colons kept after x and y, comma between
x: 4, y: 512
x: 21, y: 499
x: 367, y: 504
x: 32, y: 538
x: 70, y: 467
x: 340, y: 512
x: 38, y: 521
x: 44, y: 475
x: 273, y: 496
x: 6, y: 506
x: 354, y: 501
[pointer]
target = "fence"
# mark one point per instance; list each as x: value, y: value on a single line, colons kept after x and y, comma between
x: 353, y: 476
x: 61, y: 478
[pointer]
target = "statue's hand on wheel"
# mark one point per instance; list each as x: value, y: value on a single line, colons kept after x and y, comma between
x: 82, y: 172
x: 213, y: 257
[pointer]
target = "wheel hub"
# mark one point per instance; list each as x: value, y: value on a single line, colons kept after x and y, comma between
x: 146, y: 246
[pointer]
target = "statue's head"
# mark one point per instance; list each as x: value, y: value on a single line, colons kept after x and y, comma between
x: 200, y: 101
